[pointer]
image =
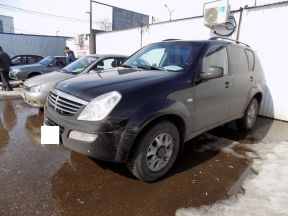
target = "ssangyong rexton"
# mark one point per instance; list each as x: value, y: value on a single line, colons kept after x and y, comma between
x: 143, y: 112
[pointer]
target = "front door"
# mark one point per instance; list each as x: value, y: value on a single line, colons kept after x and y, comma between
x: 213, y: 97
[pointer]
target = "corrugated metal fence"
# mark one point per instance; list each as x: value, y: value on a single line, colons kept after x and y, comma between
x: 16, y: 44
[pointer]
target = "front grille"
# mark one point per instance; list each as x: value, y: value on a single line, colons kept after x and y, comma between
x: 64, y: 103
x: 49, y: 122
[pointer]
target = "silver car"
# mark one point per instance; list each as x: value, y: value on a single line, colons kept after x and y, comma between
x: 36, y: 89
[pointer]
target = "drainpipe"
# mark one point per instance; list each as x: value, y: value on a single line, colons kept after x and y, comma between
x: 239, y: 23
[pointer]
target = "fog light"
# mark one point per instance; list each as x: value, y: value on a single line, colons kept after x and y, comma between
x: 86, y: 137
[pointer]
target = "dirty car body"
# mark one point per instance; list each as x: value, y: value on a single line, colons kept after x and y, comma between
x: 184, y: 87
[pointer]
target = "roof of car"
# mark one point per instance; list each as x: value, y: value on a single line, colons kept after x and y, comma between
x: 214, y: 40
x: 108, y: 55
x: 13, y: 56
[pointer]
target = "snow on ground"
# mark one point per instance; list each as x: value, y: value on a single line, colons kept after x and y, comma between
x: 266, y: 194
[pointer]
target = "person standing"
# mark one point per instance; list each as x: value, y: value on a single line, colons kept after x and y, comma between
x: 5, y: 64
x: 70, y: 57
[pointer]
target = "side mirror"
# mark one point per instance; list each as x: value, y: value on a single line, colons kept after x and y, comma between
x: 213, y: 72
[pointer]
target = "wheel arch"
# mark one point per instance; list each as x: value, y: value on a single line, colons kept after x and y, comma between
x: 173, y: 118
x: 34, y: 73
x: 259, y: 97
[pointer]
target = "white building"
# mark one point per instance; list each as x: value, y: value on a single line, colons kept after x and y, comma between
x: 263, y: 27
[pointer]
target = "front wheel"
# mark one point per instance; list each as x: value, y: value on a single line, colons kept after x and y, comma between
x: 250, y: 115
x: 155, y: 152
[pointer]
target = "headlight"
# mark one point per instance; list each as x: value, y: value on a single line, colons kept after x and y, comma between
x: 14, y: 71
x: 35, y: 88
x: 100, y: 107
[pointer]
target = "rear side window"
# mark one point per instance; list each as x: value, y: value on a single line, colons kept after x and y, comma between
x: 31, y: 59
x: 238, y: 60
x: 38, y: 59
x: 216, y: 56
x: 251, y: 59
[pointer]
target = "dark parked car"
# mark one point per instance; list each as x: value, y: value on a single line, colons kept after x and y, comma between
x: 46, y: 65
x: 25, y: 59
x: 165, y: 94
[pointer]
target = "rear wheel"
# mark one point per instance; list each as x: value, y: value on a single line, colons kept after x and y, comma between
x: 155, y: 152
x: 250, y: 115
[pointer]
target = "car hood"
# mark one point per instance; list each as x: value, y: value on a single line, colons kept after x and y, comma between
x: 27, y: 67
x: 53, y: 77
x: 89, y: 86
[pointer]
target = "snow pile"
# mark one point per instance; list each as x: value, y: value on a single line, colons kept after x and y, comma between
x: 266, y: 194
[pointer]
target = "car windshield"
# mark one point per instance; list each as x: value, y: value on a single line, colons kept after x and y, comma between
x: 47, y: 60
x: 175, y: 56
x: 80, y: 65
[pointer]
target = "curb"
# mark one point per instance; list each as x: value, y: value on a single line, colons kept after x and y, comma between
x: 12, y: 95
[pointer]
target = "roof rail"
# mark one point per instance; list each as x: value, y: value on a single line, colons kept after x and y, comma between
x: 172, y: 39
x: 228, y: 39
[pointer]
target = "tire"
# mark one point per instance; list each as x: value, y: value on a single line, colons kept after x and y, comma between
x: 250, y: 115
x: 159, y: 143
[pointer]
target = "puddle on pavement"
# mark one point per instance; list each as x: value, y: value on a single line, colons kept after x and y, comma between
x: 92, y: 187
x: 59, y: 182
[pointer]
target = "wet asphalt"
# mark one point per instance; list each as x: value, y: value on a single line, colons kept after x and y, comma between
x: 52, y: 180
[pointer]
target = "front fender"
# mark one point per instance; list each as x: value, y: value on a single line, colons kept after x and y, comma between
x: 146, y: 115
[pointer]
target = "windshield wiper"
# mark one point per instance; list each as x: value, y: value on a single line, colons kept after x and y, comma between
x: 148, y: 67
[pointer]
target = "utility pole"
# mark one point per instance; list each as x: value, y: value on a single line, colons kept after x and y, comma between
x: 92, y: 44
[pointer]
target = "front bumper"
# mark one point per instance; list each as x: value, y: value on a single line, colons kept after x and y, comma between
x: 35, y: 99
x: 12, y: 75
x: 110, y: 145
x: 18, y: 75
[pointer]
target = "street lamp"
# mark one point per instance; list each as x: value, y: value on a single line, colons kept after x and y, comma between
x: 170, y: 11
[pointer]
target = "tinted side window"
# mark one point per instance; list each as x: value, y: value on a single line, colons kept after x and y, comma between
x: 238, y: 60
x: 216, y: 56
x: 31, y: 59
x: 38, y: 59
x: 61, y: 62
x: 120, y: 61
x: 251, y: 59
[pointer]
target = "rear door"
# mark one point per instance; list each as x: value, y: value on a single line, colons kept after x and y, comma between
x: 242, y: 80
x: 213, y: 97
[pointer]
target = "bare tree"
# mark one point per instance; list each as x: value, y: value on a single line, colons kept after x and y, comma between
x: 106, y: 24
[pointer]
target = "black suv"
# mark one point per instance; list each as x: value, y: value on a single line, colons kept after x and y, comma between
x: 165, y: 94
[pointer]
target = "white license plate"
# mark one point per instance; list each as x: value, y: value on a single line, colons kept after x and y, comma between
x: 50, y: 135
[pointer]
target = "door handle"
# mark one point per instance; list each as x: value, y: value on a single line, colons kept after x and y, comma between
x: 227, y: 84
x: 251, y: 78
